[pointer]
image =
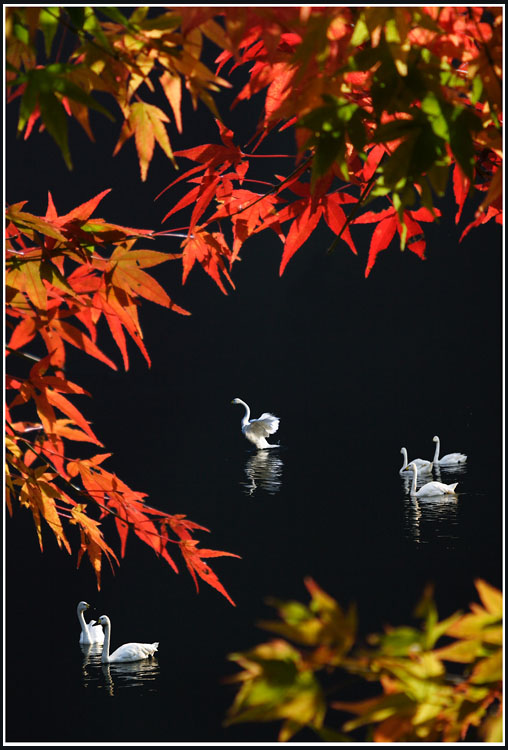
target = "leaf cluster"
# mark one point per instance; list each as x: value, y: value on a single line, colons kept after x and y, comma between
x: 381, y: 100
x: 390, y: 101
x: 118, y: 57
x: 420, y: 700
x: 77, y: 268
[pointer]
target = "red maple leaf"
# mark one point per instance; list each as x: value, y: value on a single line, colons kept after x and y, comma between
x: 388, y: 223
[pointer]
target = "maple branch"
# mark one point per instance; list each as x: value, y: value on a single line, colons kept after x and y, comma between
x: 274, y: 190
x: 90, y: 494
x: 277, y: 188
x: 24, y: 355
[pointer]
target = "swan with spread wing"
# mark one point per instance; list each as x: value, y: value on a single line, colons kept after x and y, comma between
x: 257, y: 430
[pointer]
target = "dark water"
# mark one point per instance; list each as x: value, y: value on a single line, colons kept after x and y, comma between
x: 355, y: 370
x: 354, y: 529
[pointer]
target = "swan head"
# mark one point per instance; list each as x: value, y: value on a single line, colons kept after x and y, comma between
x: 82, y: 606
x: 103, y: 620
x: 237, y: 401
x: 435, y: 439
x: 411, y: 466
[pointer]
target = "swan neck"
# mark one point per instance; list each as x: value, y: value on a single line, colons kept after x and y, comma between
x: 404, y: 457
x: 246, y: 416
x: 436, y: 452
x: 105, y: 647
x: 82, y: 622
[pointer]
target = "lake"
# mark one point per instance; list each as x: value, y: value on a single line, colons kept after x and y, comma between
x: 355, y: 369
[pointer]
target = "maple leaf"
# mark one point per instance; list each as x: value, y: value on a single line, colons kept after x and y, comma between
x: 209, y: 249
x: 127, y: 274
x: 92, y: 541
x: 461, y: 185
x: 121, y: 312
x: 39, y: 494
x: 50, y: 394
x: 145, y: 123
x: 172, y: 87
x: 213, y: 158
x: 388, y: 223
x: 194, y: 559
x: 23, y: 333
x: 306, y: 214
x: 130, y: 513
x: 247, y: 211
x: 67, y: 332
x: 482, y: 217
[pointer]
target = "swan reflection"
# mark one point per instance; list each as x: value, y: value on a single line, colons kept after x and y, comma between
x: 92, y: 653
x: 121, y: 675
x: 431, y: 518
x: 443, y: 473
x: 263, y: 469
x: 131, y: 674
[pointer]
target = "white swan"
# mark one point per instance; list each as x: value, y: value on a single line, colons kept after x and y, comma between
x: 450, y: 459
x: 90, y: 632
x: 257, y: 430
x: 421, y: 463
x: 127, y: 652
x: 431, y: 488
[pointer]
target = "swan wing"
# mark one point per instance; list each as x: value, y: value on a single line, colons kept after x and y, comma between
x: 96, y: 632
x: 134, y: 651
x: 422, y: 464
x: 445, y: 488
x: 436, y: 488
x: 266, y: 425
x: 453, y: 458
x: 93, y: 634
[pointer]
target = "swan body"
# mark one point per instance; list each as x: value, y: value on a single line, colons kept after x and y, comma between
x: 431, y: 488
x: 257, y: 430
x: 90, y: 632
x: 450, y: 459
x: 127, y: 652
x: 421, y: 463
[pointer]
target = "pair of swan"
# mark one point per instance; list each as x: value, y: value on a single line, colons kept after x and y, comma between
x: 257, y: 430
x: 451, y: 459
x: 92, y: 632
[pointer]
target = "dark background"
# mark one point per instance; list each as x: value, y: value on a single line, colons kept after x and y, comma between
x: 355, y: 368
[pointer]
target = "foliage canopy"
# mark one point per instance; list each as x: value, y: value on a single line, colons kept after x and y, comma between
x: 422, y: 699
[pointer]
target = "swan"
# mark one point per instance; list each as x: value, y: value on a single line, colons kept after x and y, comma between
x: 421, y: 463
x: 127, y: 652
x: 450, y: 459
x: 90, y: 632
x: 431, y: 488
x: 257, y: 430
